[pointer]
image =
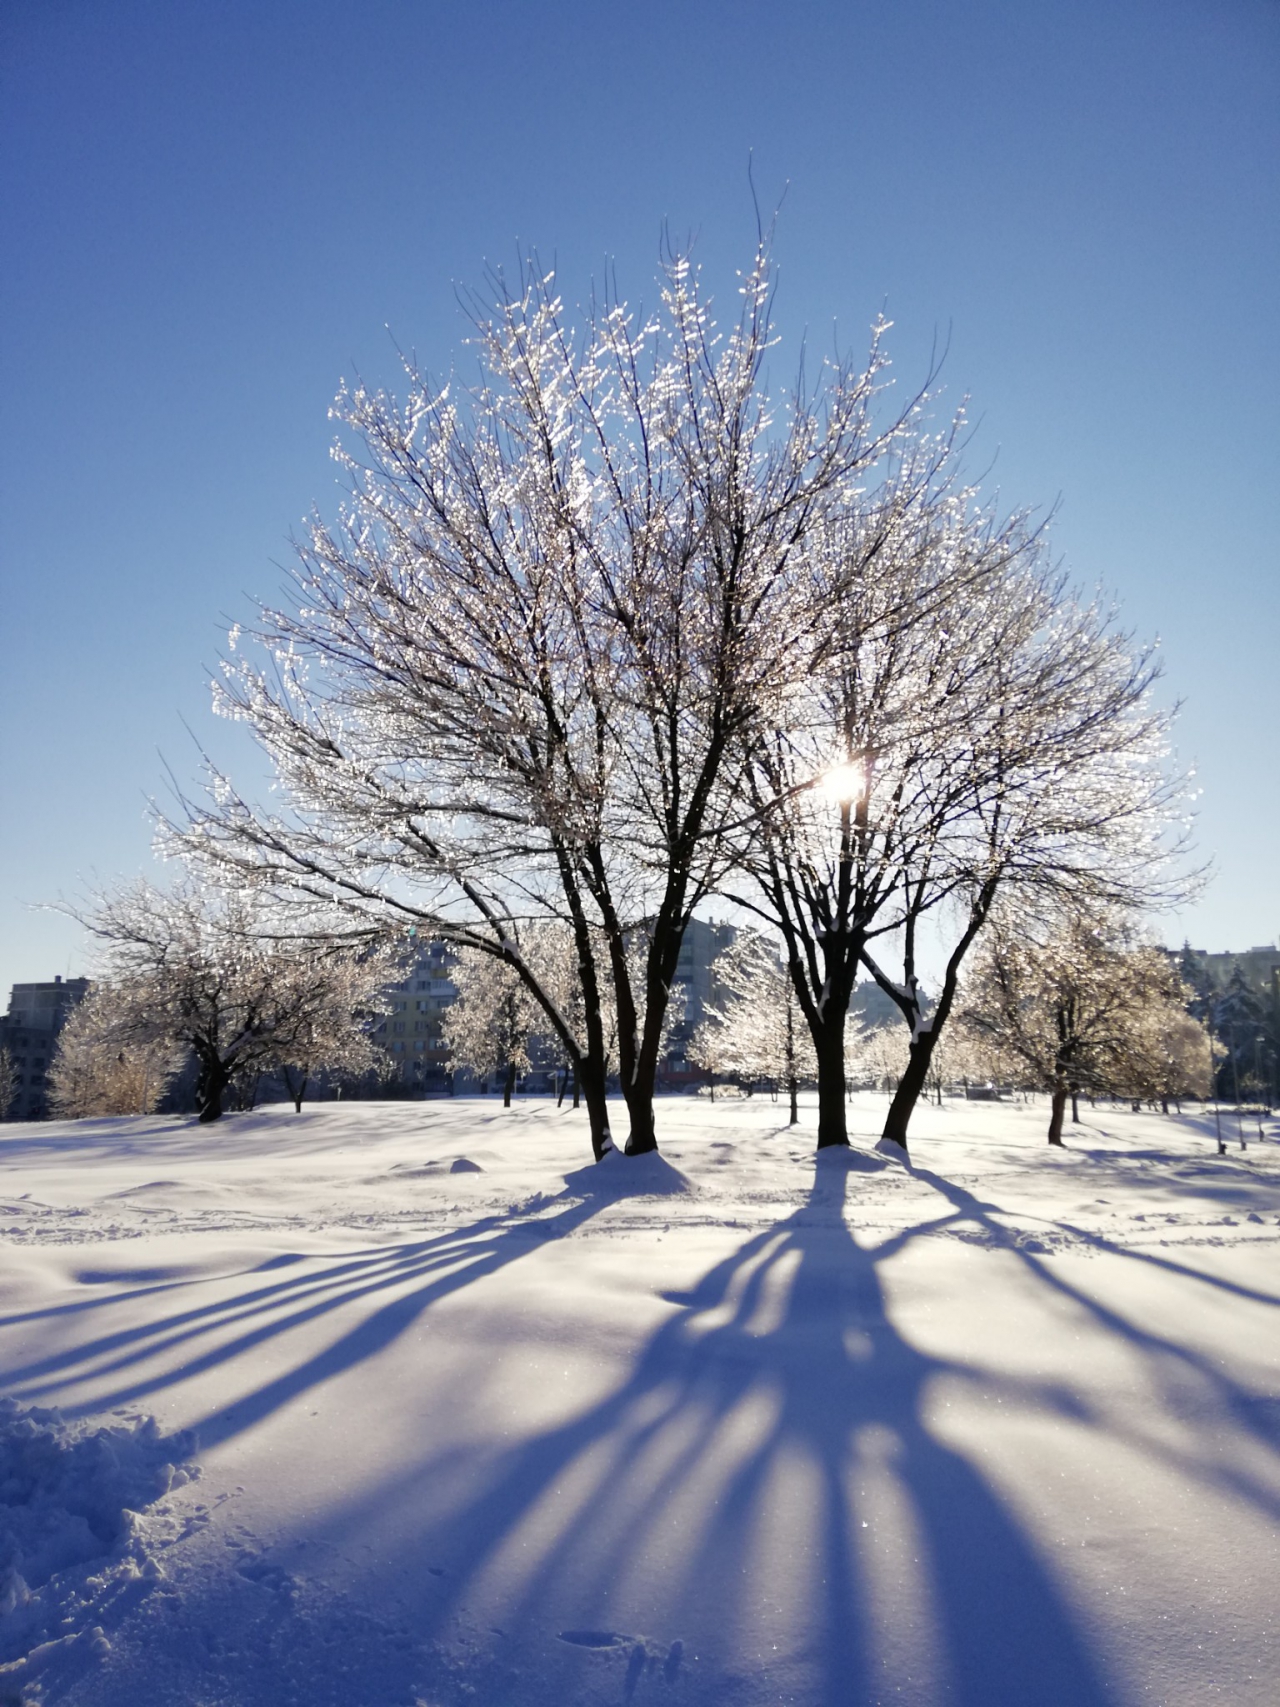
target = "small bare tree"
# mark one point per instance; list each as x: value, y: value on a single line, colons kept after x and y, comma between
x: 211, y: 972
x: 341, y: 995
x: 757, y: 1033
x: 488, y: 1025
x: 1081, y: 1004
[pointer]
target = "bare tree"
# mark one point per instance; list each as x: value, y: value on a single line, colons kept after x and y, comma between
x: 512, y: 681
x: 208, y: 971
x: 341, y: 994
x: 488, y: 1026
x: 1171, y: 1055
x: 1082, y: 1005
x: 880, y: 1054
x: 757, y: 1032
x: 103, y: 1065
x: 969, y: 726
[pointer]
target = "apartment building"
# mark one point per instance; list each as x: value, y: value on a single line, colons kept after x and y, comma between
x: 413, y: 1032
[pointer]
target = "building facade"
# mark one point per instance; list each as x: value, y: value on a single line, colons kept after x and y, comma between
x: 29, y: 1032
x: 412, y: 1034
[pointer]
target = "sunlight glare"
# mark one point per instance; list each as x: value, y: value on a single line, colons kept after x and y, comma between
x: 842, y: 782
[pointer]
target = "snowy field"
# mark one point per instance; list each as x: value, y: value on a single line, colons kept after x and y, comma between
x: 388, y: 1404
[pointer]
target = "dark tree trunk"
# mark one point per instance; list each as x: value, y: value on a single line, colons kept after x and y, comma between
x: 509, y: 1084
x: 910, y: 1085
x: 1058, y: 1109
x: 793, y: 1085
x: 211, y: 1087
x: 296, y: 1085
x: 829, y: 1044
x: 589, y: 1083
x: 1075, y: 1109
x: 642, y: 1138
x: 564, y: 1085
x: 923, y: 1040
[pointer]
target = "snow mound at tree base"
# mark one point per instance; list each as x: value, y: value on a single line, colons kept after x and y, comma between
x: 73, y: 1547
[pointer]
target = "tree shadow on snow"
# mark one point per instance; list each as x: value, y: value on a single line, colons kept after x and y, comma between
x: 131, y: 1365
x: 767, y: 1464
x: 778, y: 1402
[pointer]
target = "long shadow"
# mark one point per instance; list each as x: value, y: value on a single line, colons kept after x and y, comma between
x: 728, y: 1405
x: 193, y: 1341
x: 1170, y: 1363
x: 777, y: 1408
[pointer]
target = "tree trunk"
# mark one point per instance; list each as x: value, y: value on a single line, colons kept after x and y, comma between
x: 1058, y: 1109
x: 642, y: 1138
x: 590, y: 1086
x: 909, y: 1088
x: 793, y: 1085
x: 296, y: 1085
x: 211, y: 1086
x: 508, y: 1084
x: 564, y: 1086
x: 832, y: 1124
x: 1075, y: 1109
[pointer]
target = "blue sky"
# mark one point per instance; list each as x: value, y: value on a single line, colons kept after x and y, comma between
x: 214, y: 212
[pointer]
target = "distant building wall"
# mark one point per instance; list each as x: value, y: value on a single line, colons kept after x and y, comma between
x: 696, y: 988
x: 412, y: 1035
x: 29, y: 1031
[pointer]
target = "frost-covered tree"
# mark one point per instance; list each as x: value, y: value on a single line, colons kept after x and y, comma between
x: 1172, y: 1054
x: 756, y: 1032
x: 343, y: 995
x: 211, y: 971
x: 880, y: 1054
x: 104, y: 1064
x: 967, y: 726
x: 1081, y: 1003
x: 489, y: 1024
x: 512, y: 680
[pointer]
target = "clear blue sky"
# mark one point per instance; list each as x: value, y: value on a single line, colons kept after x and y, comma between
x: 211, y: 212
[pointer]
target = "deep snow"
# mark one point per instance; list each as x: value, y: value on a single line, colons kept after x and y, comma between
x: 302, y: 1411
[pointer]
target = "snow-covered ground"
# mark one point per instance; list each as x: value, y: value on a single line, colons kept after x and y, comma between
x: 388, y: 1404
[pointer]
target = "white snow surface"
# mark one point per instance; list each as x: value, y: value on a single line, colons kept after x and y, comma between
x: 411, y: 1405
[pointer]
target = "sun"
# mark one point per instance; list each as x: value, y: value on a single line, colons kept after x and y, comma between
x: 842, y: 782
